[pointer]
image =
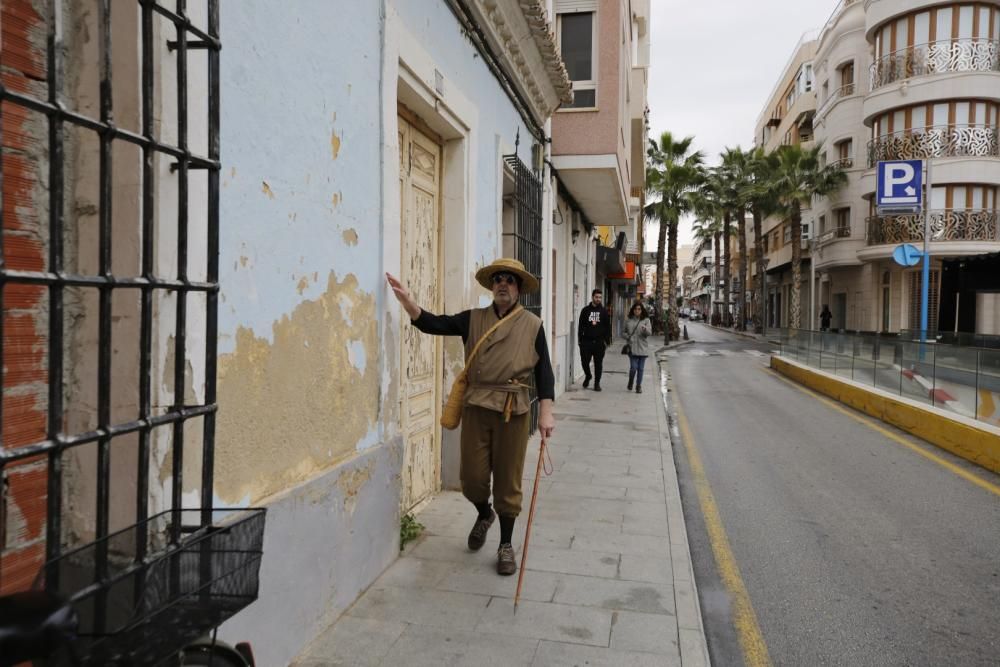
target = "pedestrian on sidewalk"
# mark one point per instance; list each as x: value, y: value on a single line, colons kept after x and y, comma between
x: 594, y: 337
x: 637, y: 330
x: 496, y: 415
x: 824, y: 318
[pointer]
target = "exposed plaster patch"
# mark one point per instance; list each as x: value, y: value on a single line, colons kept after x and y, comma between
x: 336, y: 199
x: 350, y: 237
x: 334, y: 144
x: 266, y: 189
x: 297, y: 406
x: 351, y: 482
x: 243, y: 260
x: 302, y: 285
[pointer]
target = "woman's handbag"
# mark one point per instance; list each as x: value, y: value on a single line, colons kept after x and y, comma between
x: 451, y: 415
x: 626, y: 349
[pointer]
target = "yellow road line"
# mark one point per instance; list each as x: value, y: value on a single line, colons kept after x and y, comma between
x: 751, y: 640
x: 964, y: 474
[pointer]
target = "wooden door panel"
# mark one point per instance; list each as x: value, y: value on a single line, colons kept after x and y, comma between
x: 420, y: 354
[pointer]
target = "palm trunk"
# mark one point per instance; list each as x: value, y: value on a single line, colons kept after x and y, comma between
x: 727, y: 316
x: 759, y: 311
x: 741, y: 296
x: 795, y: 307
x: 661, y: 242
x: 715, y: 275
x: 673, y: 328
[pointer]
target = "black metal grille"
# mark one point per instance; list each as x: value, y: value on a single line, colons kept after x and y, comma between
x: 527, y: 232
x: 527, y: 237
x: 59, y: 281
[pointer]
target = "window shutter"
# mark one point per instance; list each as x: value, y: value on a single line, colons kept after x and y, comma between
x: 570, y: 6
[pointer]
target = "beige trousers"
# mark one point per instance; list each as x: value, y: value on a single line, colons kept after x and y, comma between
x: 490, y: 446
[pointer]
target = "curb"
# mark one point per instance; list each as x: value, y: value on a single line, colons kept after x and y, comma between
x: 976, y: 443
x: 692, y: 640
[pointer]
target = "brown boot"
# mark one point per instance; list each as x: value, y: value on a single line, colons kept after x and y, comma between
x: 506, y: 563
x: 477, y: 536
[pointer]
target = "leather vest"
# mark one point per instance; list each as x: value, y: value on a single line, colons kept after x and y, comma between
x: 505, y: 364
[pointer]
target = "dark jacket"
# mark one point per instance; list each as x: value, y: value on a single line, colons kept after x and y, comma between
x: 594, y: 326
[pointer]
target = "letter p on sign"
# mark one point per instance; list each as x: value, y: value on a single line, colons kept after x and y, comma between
x: 899, y: 183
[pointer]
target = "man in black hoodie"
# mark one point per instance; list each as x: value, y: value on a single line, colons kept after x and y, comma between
x: 594, y: 336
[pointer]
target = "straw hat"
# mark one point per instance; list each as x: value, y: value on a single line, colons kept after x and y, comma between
x: 503, y: 265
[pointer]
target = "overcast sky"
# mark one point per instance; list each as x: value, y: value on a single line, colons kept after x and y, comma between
x: 714, y: 63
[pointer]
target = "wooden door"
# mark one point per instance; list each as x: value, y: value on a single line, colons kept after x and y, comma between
x: 420, y: 354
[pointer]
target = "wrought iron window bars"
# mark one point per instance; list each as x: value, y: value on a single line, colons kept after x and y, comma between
x: 527, y: 237
x: 179, y: 524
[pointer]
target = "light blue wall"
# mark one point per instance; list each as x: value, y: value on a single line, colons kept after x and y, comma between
x: 293, y: 76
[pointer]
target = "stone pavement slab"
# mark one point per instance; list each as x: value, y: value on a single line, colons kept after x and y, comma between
x: 608, y: 579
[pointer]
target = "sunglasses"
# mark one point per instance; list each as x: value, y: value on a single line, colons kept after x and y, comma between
x: 508, y: 278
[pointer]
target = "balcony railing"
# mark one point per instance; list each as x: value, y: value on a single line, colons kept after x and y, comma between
x: 945, y: 224
x: 832, y: 234
x: 843, y: 163
x: 844, y: 91
x: 949, y: 55
x: 935, y: 141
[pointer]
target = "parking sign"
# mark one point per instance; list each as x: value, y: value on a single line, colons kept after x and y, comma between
x: 898, y: 184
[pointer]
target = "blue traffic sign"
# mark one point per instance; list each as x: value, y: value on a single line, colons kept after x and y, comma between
x: 907, y: 255
x: 898, y: 184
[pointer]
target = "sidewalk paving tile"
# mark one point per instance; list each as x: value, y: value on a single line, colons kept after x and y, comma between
x: 572, y: 561
x: 422, y: 646
x: 353, y: 642
x: 542, y: 620
x: 653, y: 633
x: 555, y: 654
x: 652, y: 569
x: 624, y: 544
x: 421, y: 607
x: 614, y: 594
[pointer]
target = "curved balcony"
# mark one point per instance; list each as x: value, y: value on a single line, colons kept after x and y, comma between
x: 935, y: 141
x: 969, y: 225
x: 831, y: 235
x: 842, y: 92
x: 949, y: 55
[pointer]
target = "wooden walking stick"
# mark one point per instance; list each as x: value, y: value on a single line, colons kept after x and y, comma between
x: 531, y: 517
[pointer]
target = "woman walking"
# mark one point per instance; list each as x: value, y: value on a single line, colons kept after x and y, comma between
x: 637, y: 332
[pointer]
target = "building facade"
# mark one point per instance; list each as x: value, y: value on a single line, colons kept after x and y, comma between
x: 786, y: 119
x: 907, y: 80
x: 598, y: 162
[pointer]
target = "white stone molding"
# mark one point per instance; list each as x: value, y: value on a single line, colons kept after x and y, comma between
x: 520, y: 34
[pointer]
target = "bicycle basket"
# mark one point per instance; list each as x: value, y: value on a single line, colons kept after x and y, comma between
x: 145, y: 592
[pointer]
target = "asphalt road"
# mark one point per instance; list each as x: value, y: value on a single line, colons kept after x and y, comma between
x: 854, y: 549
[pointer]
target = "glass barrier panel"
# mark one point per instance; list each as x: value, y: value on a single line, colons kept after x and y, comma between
x: 917, y: 374
x: 887, y: 368
x: 988, y: 387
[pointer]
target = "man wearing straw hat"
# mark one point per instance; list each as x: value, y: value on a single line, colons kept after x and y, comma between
x: 496, y: 416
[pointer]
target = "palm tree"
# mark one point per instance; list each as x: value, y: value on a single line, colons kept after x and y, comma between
x: 725, y: 193
x: 800, y: 176
x: 761, y: 197
x: 736, y: 164
x: 673, y: 173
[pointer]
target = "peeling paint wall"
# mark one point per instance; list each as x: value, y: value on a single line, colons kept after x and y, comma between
x: 309, y: 401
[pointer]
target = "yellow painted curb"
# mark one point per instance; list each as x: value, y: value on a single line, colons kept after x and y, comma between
x: 978, y: 445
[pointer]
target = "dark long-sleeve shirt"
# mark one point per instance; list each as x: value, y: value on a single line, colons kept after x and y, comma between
x: 458, y: 325
x: 594, y: 325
